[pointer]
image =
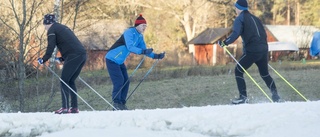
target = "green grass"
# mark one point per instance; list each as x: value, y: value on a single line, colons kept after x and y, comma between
x: 168, y: 87
x: 213, y: 90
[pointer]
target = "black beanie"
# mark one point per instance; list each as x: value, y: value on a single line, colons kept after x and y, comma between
x: 241, y: 4
x: 49, y: 19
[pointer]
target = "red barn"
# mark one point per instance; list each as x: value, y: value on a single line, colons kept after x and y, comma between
x: 205, y: 51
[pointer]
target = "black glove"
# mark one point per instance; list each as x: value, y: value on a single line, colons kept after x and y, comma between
x: 222, y: 43
x: 59, y: 59
x: 147, y: 51
x: 159, y: 56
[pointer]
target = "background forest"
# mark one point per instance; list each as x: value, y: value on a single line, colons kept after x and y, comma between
x: 98, y: 23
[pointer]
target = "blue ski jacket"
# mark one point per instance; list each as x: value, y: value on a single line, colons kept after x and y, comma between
x: 130, y: 41
x: 315, y: 44
x: 252, y: 32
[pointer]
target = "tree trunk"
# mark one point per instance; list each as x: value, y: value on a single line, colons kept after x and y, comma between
x: 226, y: 17
x: 21, y: 66
x: 288, y: 12
x: 21, y: 75
x: 297, y: 17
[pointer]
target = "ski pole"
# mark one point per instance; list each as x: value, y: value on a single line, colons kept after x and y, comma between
x: 129, y: 77
x: 97, y: 93
x: 144, y: 77
x: 92, y: 89
x: 288, y: 82
x: 225, y: 48
x: 68, y: 86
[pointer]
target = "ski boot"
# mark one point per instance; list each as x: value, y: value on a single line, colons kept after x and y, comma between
x: 242, y: 99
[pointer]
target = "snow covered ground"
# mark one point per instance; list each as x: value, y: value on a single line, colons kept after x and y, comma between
x: 290, y: 119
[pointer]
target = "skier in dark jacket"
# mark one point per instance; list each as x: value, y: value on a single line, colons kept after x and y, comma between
x: 131, y: 41
x: 255, y: 50
x: 74, y: 57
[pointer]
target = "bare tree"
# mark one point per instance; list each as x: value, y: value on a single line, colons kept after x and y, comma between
x: 192, y: 15
x: 21, y: 26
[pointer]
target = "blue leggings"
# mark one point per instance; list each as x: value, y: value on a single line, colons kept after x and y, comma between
x: 120, y: 80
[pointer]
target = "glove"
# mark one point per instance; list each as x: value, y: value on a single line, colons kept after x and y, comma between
x: 59, y: 60
x: 159, y: 56
x: 40, y: 61
x: 147, y: 51
x: 221, y: 43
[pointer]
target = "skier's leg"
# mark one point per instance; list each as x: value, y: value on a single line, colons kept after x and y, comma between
x: 264, y: 73
x: 78, y: 63
x: 125, y: 88
x: 245, y: 61
x: 69, y: 74
x: 117, y: 79
x: 65, y: 91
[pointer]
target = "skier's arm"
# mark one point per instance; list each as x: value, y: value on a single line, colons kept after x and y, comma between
x: 50, y: 47
x: 236, y: 31
x: 143, y: 46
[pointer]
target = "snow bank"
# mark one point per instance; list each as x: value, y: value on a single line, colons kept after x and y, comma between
x: 290, y: 119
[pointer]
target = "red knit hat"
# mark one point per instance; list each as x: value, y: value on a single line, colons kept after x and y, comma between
x: 140, y: 20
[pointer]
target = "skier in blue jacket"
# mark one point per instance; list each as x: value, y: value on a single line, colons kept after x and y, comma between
x: 255, y: 50
x: 131, y: 41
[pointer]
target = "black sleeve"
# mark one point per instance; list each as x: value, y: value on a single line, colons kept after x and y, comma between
x: 51, y: 44
x: 236, y: 30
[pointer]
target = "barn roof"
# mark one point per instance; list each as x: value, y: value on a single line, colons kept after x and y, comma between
x: 299, y: 35
x: 210, y: 35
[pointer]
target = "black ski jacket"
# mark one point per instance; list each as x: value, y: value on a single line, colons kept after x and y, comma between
x: 61, y: 36
x: 252, y: 32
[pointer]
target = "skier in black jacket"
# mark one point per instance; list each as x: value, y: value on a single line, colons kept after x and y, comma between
x: 255, y: 50
x: 74, y: 57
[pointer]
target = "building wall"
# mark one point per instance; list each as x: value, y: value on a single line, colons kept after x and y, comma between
x: 95, y: 60
x: 274, y: 55
x: 270, y: 37
x: 210, y: 54
x: 204, y: 54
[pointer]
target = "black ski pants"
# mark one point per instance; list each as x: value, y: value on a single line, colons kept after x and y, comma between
x: 261, y: 60
x: 71, y: 70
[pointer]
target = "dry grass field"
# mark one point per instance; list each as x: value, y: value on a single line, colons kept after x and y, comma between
x: 174, y: 87
x: 203, y: 86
